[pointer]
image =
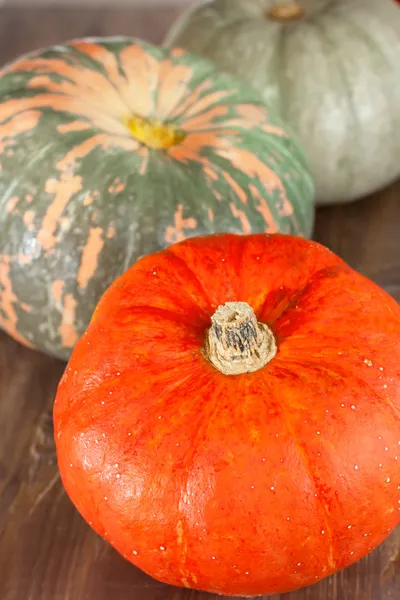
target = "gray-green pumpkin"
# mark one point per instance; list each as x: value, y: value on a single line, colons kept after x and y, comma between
x: 113, y: 148
x: 331, y: 67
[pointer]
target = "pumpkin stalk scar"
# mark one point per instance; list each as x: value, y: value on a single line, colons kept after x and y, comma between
x: 236, y: 342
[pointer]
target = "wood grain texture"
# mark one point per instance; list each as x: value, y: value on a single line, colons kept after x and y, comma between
x: 47, y: 552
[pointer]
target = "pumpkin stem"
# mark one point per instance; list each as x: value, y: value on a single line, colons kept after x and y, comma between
x: 288, y: 11
x: 154, y: 134
x: 236, y: 342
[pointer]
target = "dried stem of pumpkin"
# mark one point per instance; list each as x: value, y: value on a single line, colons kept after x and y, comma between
x: 287, y: 11
x: 236, y: 342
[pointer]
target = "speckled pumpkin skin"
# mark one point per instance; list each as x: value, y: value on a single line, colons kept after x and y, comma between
x: 333, y: 75
x: 248, y: 484
x: 81, y: 199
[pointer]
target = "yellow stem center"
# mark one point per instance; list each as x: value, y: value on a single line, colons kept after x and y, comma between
x: 288, y: 11
x: 154, y: 134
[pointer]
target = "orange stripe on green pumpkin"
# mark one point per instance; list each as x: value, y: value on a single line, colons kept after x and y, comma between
x: 90, y: 256
x: 63, y: 190
x: 264, y: 210
x: 175, y: 233
x: 106, y: 58
x: 239, y: 214
x: 67, y: 331
x: 8, y: 315
x: 57, y: 287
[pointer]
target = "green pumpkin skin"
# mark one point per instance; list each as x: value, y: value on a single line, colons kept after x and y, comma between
x: 334, y: 76
x: 81, y: 199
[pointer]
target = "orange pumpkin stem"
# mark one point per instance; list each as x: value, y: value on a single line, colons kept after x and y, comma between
x: 236, y: 342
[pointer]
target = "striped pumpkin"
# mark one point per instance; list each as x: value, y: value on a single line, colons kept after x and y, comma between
x: 112, y: 148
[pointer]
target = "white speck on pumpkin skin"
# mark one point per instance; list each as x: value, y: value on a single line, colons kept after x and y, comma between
x: 134, y: 552
x: 388, y: 480
x: 368, y: 362
x: 356, y: 467
x: 162, y: 548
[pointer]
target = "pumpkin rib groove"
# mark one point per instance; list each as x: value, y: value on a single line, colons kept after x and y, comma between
x: 347, y: 87
x: 297, y: 295
x: 305, y: 461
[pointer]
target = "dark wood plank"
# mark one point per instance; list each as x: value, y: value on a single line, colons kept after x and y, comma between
x: 47, y: 552
x: 366, y: 234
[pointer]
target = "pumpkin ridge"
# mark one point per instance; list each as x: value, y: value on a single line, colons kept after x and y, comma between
x: 193, y: 275
x: 346, y: 372
x: 170, y: 315
x: 305, y: 461
x: 198, y: 441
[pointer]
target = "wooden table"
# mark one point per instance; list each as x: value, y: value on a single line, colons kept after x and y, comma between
x: 47, y: 552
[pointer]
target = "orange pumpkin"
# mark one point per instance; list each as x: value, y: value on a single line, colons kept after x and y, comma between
x: 230, y: 421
